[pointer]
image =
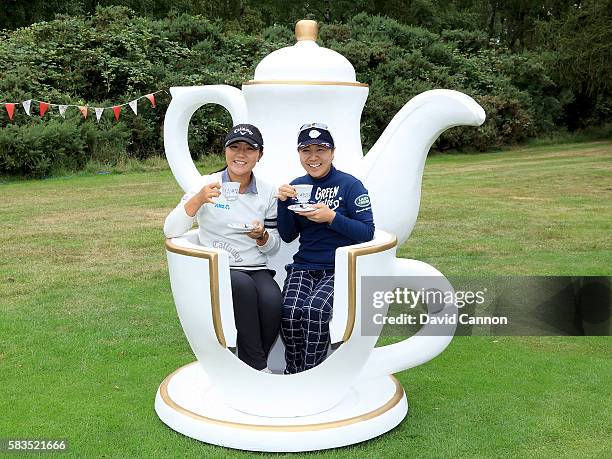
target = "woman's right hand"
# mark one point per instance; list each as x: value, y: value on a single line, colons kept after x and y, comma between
x: 286, y: 191
x: 210, y: 191
x: 206, y: 194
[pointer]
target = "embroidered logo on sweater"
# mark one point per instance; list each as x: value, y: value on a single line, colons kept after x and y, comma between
x: 327, y: 196
x: 362, y: 200
x: 228, y: 248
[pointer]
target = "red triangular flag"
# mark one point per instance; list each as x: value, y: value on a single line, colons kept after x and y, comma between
x: 10, y: 108
x: 151, y: 98
x: 116, y: 111
x: 83, y: 111
x: 44, y: 106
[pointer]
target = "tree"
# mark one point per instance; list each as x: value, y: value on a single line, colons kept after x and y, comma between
x: 580, y: 47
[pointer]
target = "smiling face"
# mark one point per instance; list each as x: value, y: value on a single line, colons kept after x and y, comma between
x: 241, y: 159
x: 316, y: 160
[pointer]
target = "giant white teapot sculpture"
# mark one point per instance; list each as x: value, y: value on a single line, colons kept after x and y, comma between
x: 221, y: 396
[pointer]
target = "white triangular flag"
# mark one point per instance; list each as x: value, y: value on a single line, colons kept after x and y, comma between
x: 26, y: 105
x: 134, y: 106
x: 62, y: 110
x: 99, y: 113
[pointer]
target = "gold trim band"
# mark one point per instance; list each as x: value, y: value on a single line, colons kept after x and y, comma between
x: 304, y: 82
x: 213, y: 264
x: 352, y: 280
x: 393, y: 401
x: 213, y: 268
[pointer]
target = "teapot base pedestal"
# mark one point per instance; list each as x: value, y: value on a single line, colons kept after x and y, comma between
x: 187, y: 403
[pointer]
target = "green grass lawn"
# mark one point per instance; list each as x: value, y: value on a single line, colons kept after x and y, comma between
x: 88, y: 328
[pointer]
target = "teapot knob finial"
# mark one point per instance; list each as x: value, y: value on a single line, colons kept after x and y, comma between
x: 306, y: 29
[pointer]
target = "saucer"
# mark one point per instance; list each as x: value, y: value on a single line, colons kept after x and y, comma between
x: 241, y: 227
x: 188, y: 402
x: 302, y: 207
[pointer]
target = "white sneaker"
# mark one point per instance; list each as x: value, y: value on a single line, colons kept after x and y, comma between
x: 266, y: 370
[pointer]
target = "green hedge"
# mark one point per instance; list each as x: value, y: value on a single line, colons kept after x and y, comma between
x: 43, y: 147
x: 114, y: 56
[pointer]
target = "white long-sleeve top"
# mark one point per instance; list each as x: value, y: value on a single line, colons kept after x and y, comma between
x: 257, y: 203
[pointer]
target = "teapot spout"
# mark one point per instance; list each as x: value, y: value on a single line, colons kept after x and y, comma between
x: 393, y: 169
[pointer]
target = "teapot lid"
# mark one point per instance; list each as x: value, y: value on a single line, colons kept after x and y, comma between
x: 305, y: 62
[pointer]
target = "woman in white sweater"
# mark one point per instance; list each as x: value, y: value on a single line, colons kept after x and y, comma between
x: 256, y: 296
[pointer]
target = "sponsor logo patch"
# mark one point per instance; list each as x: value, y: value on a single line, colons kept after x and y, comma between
x: 314, y: 134
x: 362, y: 200
x: 243, y: 131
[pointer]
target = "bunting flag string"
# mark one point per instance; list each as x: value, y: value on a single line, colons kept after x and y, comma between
x: 151, y: 99
x: 116, y: 111
x: 10, y: 108
x: 84, y: 109
x: 44, y: 106
x: 26, y: 106
x: 134, y: 106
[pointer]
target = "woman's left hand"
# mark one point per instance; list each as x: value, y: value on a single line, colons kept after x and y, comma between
x: 258, y: 232
x: 322, y: 214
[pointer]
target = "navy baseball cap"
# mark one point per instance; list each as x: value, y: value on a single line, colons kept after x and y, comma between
x: 315, y: 133
x: 245, y: 133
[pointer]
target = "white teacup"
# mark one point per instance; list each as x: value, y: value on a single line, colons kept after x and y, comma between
x: 206, y: 313
x: 230, y: 190
x: 303, y: 193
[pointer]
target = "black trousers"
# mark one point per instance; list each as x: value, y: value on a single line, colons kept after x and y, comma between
x: 257, y: 313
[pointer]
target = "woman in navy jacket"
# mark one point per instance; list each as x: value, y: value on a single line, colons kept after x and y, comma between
x: 342, y: 216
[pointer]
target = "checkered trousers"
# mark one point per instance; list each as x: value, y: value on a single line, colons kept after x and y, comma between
x: 307, y: 309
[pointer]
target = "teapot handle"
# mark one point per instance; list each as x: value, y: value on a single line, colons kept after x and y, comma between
x: 430, y: 340
x: 185, y: 101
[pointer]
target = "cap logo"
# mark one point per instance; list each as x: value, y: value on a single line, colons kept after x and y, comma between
x: 243, y: 131
x: 314, y: 134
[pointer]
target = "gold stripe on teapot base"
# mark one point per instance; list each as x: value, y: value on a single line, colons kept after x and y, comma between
x: 390, y: 404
